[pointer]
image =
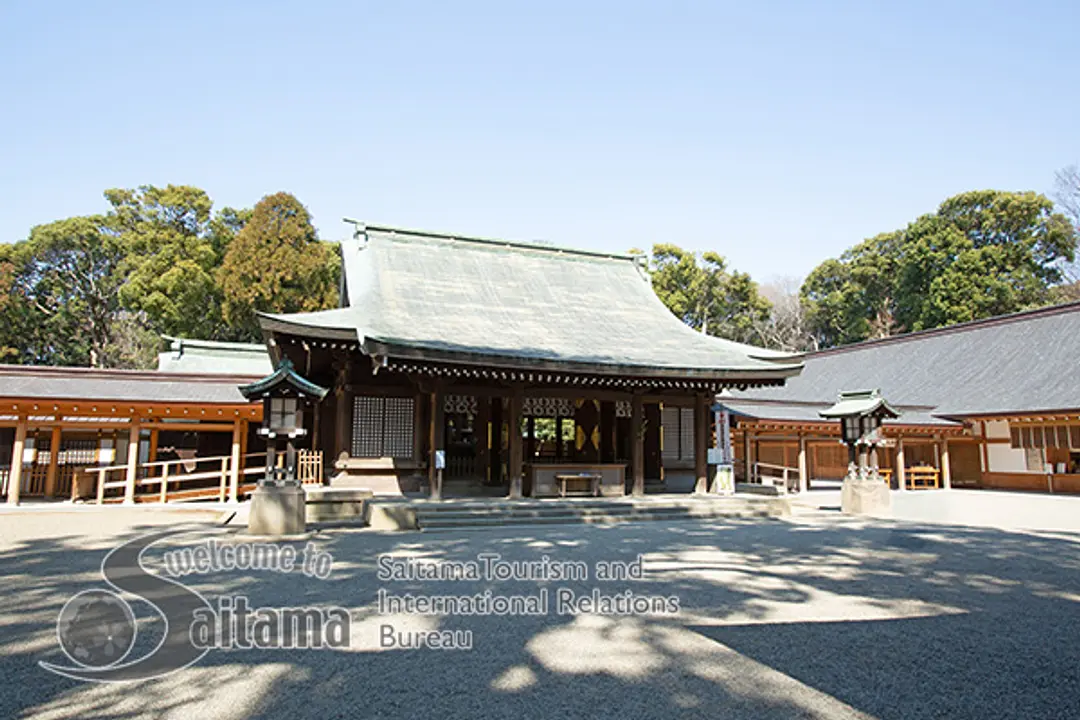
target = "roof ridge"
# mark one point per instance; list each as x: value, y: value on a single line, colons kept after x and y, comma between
x: 751, y: 400
x: 131, y: 374
x: 522, y: 244
x: 216, y: 344
x: 1006, y: 319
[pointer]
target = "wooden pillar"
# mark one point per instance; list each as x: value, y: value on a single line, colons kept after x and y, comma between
x: 244, y: 429
x: 482, y: 431
x: 435, y: 440
x: 497, y: 419
x: 748, y: 462
x: 514, y: 425
x: 946, y: 473
x: 234, y: 463
x: 132, y: 462
x: 530, y: 444
x: 15, y: 476
x: 804, y: 478
x: 901, y: 479
x: 637, y: 440
x: 152, y: 455
x: 341, y: 411
x: 54, y: 462
x: 701, y: 444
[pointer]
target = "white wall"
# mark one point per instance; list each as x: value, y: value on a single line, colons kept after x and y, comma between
x: 1006, y: 459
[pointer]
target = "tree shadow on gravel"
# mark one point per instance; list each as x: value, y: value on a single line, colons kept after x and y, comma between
x: 778, y: 619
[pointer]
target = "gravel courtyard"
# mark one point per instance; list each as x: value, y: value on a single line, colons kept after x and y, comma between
x: 816, y: 616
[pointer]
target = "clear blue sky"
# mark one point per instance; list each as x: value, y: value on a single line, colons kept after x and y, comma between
x: 775, y: 133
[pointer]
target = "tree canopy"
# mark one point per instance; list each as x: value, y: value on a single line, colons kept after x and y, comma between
x: 277, y: 264
x: 983, y: 253
x: 101, y: 290
x: 705, y: 295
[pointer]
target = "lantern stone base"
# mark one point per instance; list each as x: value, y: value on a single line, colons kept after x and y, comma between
x: 277, y: 510
x: 865, y: 496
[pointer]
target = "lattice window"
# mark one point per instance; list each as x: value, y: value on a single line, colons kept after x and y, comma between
x: 1050, y: 436
x: 669, y: 418
x: 382, y: 427
x: 460, y: 404
x: 78, y: 451
x: 678, y: 434
x: 686, y: 434
x: 367, y: 426
x: 623, y: 408
x: 547, y: 407
x: 398, y: 428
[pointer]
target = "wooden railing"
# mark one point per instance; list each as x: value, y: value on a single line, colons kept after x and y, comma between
x: 167, y: 477
x: 309, y: 466
x: 777, y: 472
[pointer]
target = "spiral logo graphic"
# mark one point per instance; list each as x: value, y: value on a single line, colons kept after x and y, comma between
x: 96, y: 628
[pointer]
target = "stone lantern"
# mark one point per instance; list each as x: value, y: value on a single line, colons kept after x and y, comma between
x: 277, y: 505
x: 861, y: 414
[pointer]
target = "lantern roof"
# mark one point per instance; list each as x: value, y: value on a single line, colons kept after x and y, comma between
x: 860, y: 403
x: 283, y: 382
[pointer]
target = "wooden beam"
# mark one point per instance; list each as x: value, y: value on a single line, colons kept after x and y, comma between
x: 58, y: 408
x: 54, y: 462
x: 186, y: 426
x: 637, y: 447
x: 15, y: 475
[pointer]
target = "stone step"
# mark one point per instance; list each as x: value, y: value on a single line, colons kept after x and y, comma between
x: 502, y: 505
x: 538, y: 512
x: 580, y: 512
x: 388, y: 514
x: 436, y: 518
x: 566, y: 519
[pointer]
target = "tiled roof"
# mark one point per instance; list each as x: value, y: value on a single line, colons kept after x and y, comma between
x: 1020, y: 363
x: 66, y: 383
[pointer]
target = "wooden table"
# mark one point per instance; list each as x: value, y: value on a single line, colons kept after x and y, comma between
x: 542, y: 479
x: 591, y: 480
x: 923, y: 476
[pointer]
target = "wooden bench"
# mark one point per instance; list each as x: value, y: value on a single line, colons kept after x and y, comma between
x: 579, y: 484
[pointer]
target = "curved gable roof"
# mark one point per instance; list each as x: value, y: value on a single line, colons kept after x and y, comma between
x: 439, y: 295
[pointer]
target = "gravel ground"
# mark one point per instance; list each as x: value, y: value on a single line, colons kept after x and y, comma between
x: 817, y: 616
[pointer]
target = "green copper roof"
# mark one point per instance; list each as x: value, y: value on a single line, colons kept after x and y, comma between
x: 860, y: 402
x: 212, y: 357
x: 284, y: 380
x: 414, y: 294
